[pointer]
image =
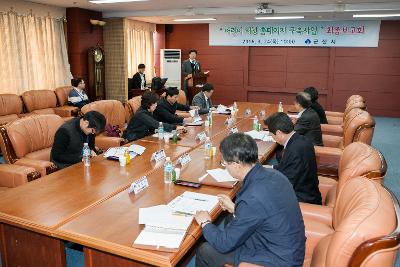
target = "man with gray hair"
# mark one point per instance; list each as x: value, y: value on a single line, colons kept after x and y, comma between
x: 307, y: 123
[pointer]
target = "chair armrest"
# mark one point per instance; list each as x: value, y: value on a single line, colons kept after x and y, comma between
x: 66, y: 111
x: 331, y: 140
x: 334, y: 120
x: 325, y: 185
x: 43, y: 166
x: 328, y: 160
x: 330, y: 129
x: 14, y: 175
x: 318, y: 213
x: 105, y: 142
x: 334, y: 114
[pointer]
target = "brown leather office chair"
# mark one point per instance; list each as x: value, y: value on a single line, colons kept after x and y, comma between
x: 352, y: 98
x: 359, y: 125
x: 62, y: 94
x: 182, y: 98
x: 114, y: 112
x: 363, y: 231
x: 44, y: 102
x: 10, y: 108
x: 15, y: 175
x: 28, y: 141
x: 131, y: 106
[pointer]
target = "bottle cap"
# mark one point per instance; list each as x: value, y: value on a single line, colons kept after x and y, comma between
x: 85, y: 144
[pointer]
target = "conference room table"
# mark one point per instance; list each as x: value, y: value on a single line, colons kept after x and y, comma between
x: 92, y: 207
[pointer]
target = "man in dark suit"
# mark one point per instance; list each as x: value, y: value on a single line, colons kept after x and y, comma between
x: 203, y: 99
x: 189, y: 67
x: 167, y: 107
x: 266, y: 228
x: 315, y: 105
x: 139, y: 79
x: 307, y: 123
x: 298, y: 161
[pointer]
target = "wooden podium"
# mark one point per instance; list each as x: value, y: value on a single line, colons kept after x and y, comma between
x: 194, y: 84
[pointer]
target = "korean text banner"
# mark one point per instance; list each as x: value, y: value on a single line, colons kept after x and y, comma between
x: 304, y: 33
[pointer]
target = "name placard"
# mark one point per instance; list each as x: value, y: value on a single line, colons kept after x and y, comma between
x: 201, y: 136
x: 229, y: 121
x: 139, y: 185
x: 158, y: 156
x: 184, y: 159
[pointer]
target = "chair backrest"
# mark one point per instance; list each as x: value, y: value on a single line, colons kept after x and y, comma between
x: 28, y: 134
x: 355, y: 104
x: 131, y: 106
x: 360, y: 159
x: 364, y: 211
x: 354, y: 98
x: 39, y: 99
x: 62, y: 94
x: 358, y: 125
x: 113, y: 111
x: 182, y: 97
x: 10, y: 107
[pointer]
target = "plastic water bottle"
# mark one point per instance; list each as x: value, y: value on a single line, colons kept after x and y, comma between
x: 280, y: 107
x: 210, y: 118
x: 207, y: 148
x: 86, y: 154
x: 168, y: 168
x: 235, y: 108
x: 160, y: 131
x: 255, y: 123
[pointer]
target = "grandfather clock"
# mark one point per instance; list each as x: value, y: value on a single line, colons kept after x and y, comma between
x: 96, y: 87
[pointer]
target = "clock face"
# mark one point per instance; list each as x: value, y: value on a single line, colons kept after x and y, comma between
x: 98, y: 55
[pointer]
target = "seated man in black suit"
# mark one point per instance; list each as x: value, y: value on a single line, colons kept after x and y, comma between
x: 315, y: 105
x: 139, y: 79
x: 298, y: 161
x: 203, y: 99
x: 167, y: 107
x: 307, y: 123
x: 143, y: 123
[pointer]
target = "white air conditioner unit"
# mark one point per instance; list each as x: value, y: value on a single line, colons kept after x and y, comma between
x: 170, y: 64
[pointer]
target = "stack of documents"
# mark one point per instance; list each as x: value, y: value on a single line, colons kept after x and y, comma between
x: 221, y: 175
x: 116, y: 152
x: 221, y: 109
x: 261, y: 135
x: 163, y: 230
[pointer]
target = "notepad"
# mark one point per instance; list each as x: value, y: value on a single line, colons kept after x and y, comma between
x: 162, y: 217
x: 137, y: 149
x: 260, y: 135
x: 116, y: 152
x: 221, y: 175
x: 190, y: 202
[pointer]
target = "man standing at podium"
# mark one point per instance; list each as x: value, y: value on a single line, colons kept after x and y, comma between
x: 190, y: 67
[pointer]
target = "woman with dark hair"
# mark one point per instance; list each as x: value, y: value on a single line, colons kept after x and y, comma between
x: 315, y: 105
x: 143, y: 123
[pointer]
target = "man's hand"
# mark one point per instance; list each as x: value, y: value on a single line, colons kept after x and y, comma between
x: 93, y: 154
x: 189, y: 76
x: 213, y: 109
x: 202, y: 216
x: 180, y: 129
x: 187, y: 120
x: 226, y: 203
x: 194, y: 107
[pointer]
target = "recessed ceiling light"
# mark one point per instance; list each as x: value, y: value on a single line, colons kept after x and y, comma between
x: 114, y: 1
x: 375, y: 15
x: 205, y: 19
x: 284, y: 17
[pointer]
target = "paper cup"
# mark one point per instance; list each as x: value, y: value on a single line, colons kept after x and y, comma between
x: 122, y: 161
x: 177, y: 173
x: 166, y: 138
x: 214, y: 150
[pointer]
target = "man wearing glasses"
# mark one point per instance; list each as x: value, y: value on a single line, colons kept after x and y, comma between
x: 70, y: 137
x: 266, y: 226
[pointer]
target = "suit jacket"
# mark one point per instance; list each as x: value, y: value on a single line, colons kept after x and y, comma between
x: 299, y: 165
x: 136, y: 81
x: 187, y: 68
x: 268, y: 227
x: 320, y: 111
x: 143, y: 124
x: 308, y: 125
x: 200, y: 101
x: 165, y: 112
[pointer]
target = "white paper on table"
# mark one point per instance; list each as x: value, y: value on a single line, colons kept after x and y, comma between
x: 117, y: 152
x: 148, y: 237
x: 259, y: 135
x: 137, y: 149
x: 162, y: 217
x: 191, y: 202
x: 165, y: 133
x: 221, y: 175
